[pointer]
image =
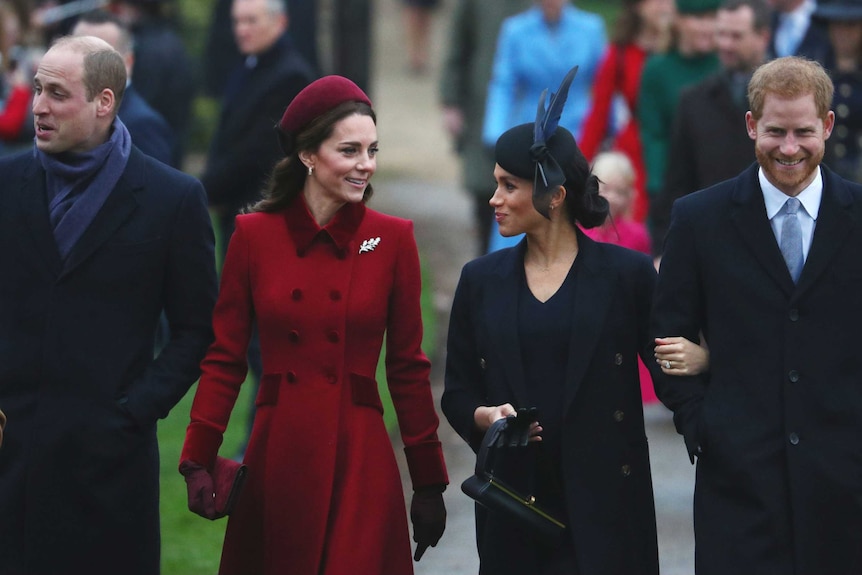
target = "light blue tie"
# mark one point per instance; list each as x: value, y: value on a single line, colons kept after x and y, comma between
x: 791, y: 239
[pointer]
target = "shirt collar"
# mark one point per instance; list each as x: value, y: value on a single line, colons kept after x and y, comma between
x: 339, y: 231
x: 775, y: 198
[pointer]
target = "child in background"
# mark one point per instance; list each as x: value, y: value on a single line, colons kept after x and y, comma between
x: 616, y: 175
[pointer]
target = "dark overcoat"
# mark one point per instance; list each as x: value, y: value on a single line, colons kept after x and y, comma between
x: 776, y: 424
x: 605, y: 458
x: 245, y: 146
x: 708, y: 144
x: 79, y: 468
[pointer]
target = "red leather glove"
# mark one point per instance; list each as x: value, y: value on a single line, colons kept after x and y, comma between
x: 428, y: 514
x: 201, y: 489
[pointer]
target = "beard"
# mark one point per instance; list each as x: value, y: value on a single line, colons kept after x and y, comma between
x: 786, y: 180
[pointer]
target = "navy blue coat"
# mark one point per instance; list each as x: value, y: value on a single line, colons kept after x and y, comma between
x: 79, y: 468
x: 150, y: 132
x: 245, y: 146
x: 605, y: 458
x: 778, y: 420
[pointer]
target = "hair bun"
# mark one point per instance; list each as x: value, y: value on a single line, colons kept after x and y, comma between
x: 594, y: 207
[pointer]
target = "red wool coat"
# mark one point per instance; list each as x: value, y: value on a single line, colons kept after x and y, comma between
x: 619, y: 73
x: 323, y: 494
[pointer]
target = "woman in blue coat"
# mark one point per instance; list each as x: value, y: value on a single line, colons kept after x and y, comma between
x: 557, y: 323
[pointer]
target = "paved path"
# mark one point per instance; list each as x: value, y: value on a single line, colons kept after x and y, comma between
x: 418, y: 178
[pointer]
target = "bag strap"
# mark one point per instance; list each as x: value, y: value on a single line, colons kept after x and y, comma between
x: 485, y: 458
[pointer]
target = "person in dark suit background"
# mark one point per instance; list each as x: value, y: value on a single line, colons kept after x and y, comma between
x: 150, y: 132
x: 244, y: 147
x: 221, y: 55
x: 795, y: 33
x: 774, y: 424
x: 164, y: 74
x: 98, y: 239
x: 707, y: 145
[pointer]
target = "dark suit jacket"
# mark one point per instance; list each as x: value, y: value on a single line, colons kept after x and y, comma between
x: 245, y: 146
x: 815, y: 44
x: 150, y: 132
x: 79, y: 467
x: 709, y: 144
x: 779, y: 418
x: 605, y: 459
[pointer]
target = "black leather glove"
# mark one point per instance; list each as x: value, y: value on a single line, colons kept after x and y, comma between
x: 428, y: 514
x: 201, y: 489
x: 516, y: 430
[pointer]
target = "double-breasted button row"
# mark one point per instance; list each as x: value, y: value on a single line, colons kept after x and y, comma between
x: 619, y: 415
x: 618, y: 359
x: 626, y: 470
x: 793, y: 438
x: 793, y: 376
x: 482, y: 362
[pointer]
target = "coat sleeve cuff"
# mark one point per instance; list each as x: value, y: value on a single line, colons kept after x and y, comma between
x: 426, y: 465
x: 202, y: 444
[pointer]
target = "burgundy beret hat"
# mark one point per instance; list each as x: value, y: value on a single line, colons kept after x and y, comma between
x: 318, y: 97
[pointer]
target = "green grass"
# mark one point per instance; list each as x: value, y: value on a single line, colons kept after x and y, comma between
x: 191, y: 545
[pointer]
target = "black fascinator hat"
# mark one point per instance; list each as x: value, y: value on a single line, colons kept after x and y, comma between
x: 535, y: 151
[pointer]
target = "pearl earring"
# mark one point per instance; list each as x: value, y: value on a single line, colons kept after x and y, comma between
x: 310, y: 170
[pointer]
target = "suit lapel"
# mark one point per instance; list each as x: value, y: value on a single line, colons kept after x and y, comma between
x: 502, y: 319
x: 117, y: 208
x: 834, y: 222
x: 34, y: 203
x: 749, y: 216
x: 593, y: 296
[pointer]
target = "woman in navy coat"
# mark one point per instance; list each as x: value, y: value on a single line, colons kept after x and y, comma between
x: 558, y: 322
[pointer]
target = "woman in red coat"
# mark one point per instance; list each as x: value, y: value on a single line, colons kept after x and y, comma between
x: 643, y: 27
x: 324, y: 278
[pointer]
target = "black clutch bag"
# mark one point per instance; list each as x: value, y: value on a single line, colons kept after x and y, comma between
x: 493, y: 493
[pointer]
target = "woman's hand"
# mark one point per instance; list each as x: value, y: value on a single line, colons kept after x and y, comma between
x: 486, y: 415
x: 679, y: 356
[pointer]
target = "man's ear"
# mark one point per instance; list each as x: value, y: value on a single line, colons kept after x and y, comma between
x: 105, y: 102
x: 751, y: 125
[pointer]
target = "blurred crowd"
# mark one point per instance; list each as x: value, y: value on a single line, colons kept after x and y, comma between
x: 666, y: 80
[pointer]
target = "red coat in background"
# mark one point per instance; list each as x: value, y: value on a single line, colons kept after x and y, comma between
x: 324, y: 493
x: 619, y: 73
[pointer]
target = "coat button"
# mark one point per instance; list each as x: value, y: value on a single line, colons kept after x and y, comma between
x: 793, y: 438
x: 335, y: 295
x: 618, y: 359
x: 300, y: 253
x: 793, y: 376
x: 291, y: 377
x: 793, y: 315
x: 332, y: 336
x: 342, y: 254
x: 626, y: 470
x: 296, y: 294
x: 293, y: 336
x: 482, y: 362
x: 619, y: 416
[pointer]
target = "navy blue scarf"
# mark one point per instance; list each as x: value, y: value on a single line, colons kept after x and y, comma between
x: 79, y: 183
